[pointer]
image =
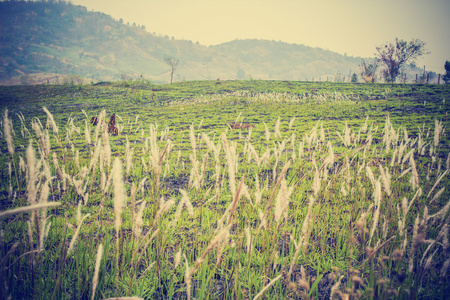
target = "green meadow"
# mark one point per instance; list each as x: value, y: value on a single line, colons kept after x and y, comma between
x: 225, y: 190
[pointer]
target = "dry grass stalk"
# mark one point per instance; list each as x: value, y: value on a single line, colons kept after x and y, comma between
x: 119, y: 193
x: 193, y: 141
x: 407, y: 156
x: 267, y: 132
x: 10, y: 251
x: 316, y: 182
x: 213, y: 243
x: 444, y: 268
x: 370, y: 175
x: 96, y: 270
x: 437, y: 182
x: 306, y: 228
x: 440, y: 235
x: 232, y: 207
x: 267, y: 287
x: 194, y: 176
x: 32, y: 177
x: 441, y: 213
x: 87, y: 133
x: 414, y: 244
x: 291, y: 123
x: 37, y: 127
x: 335, y: 288
x: 277, y: 128
x: 230, y: 154
x: 438, y: 129
x: 125, y: 298
x: 23, y: 209
x: 414, y: 172
x: 133, y: 203
x: 294, y: 258
x: 146, y: 270
x: 119, y: 199
x: 438, y: 194
x: 7, y: 130
x: 137, y: 228
x: 143, y: 247
x: 377, y: 199
x: 187, y: 278
x: 249, y: 243
x: 184, y: 201
x: 166, y: 205
x: 187, y: 202
x: 386, y: 178
x: 128, y: 156
x: 79, y: 222
x: 177, y: 259
x: 52, y: 121
x: 269, y: 203
x: 282, y: 201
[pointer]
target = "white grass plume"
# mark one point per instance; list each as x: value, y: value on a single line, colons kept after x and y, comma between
x: 32, y: 174
x: 316, y: 182
x: 177, y: 258
x: 166, y: 205
x: 277, y: 128
x: 187, y: 202
x: 267, y: 132
x: 97, y: 269
x: 193, y: 141
x: 370, y: 175
x: 282, y: 200
x: 128, y: 156
x: 100, y: 124
x: 306, y: 228
x: 52, y: 120
x: 386, y: 178
x: 230, y: 154
x: 7, y: 130
x: 184, y: 201
x: 291, y: 122
x: 438, y: 129
x: 414, y: 246
x: 139, y: 221
x: 249, y: 241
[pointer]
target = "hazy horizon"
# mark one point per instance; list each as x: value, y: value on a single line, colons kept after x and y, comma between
x: 347, y: 27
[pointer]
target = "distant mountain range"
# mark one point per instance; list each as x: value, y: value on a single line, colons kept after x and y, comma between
x: 45, y: 41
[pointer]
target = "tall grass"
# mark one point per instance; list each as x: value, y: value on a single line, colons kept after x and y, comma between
x: 362, y: 215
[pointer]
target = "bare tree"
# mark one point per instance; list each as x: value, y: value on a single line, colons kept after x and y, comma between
x: 172, y: 62
x: 368, y: 70
x: 393, y: 56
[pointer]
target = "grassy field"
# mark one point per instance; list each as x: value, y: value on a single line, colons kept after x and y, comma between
x: 225, y: 190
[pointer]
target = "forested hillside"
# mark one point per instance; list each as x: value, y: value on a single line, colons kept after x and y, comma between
x: 44, y: 41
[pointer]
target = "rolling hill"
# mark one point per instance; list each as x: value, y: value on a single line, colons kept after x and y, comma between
x: 50, y: 40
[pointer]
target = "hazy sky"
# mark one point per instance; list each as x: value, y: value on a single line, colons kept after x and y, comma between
x: 354, y: 27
